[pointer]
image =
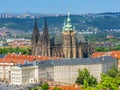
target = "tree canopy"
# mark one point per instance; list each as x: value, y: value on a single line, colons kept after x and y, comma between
x: 109, y: 80
x: 84, y: 77
x: 17, y: 50
x: 45, y: 86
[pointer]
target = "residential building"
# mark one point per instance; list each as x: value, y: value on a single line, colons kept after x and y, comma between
x: 23, y: 75
x: 9, y: 60
x: 19, y: 42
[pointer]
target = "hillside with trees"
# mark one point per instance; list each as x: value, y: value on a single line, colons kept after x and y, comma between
x: 103, y: 21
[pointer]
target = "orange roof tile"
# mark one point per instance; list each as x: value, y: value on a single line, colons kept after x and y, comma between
x: 115, y: 54
x: 15, y: 58
x: 70, y: 87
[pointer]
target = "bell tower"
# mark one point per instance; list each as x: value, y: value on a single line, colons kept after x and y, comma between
x: 69, y: 39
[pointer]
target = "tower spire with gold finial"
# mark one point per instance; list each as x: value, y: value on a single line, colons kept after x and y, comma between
x: 68, y: 25
x: 68, y: 19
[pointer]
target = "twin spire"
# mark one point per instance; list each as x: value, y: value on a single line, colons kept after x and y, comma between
x: 36, y: 27
x: 67, y: 25
x: 45, y: 32
x: 36, y: 30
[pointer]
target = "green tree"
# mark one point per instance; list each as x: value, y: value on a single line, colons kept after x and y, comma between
x: 45, y: 86
x: 113, y: 72
x: 102, y: 49
x: 83, y: 74
x: 92, y: 81
x: 90, y: 88
x: 85, y: 85
x: 107, y: 82
x: 85, y: 78
x: 17, y: 50
x: 56, y: 88
x: 110, y: 80
x: 35, y: 89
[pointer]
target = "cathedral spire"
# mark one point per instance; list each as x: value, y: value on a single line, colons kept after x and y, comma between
x: 35, y: 26
x: 68, y: 19
x: 35, y: 38
x: 68, y: 25
x: 45, y: 27
x: 45, y: 23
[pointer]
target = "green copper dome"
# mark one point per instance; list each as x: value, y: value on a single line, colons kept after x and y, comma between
x: 67, y: 24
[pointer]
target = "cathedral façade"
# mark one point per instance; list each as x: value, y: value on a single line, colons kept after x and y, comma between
x: 67, y: 45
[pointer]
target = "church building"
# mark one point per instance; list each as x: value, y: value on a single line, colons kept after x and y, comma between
x: 67, y: 45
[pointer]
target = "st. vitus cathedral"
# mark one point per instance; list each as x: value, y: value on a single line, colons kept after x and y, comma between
x: 67, y: 45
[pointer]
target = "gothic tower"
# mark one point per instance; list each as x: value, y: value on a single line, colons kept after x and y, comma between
x: 35, y: 38
x: 46, y: 40
x: 69, y: 39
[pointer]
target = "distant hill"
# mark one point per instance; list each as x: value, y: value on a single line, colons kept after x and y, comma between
x: 101, y: 21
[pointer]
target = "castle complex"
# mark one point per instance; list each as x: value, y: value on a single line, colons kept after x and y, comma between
x: 66, y: 45
x: 62, y: 71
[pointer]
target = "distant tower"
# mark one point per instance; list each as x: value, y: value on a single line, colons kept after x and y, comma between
x: 35, y: 37
x: 69, y: 39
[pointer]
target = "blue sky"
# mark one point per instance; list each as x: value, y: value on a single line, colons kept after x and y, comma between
x: 59, y: 6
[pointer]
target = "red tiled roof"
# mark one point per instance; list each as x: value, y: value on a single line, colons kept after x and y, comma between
x: 97, y: 54
x: 115, y: 54
x: 15, y: 58
x: 70, y: 87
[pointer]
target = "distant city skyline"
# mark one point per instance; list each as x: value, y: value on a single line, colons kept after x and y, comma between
x: 59, y: 6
